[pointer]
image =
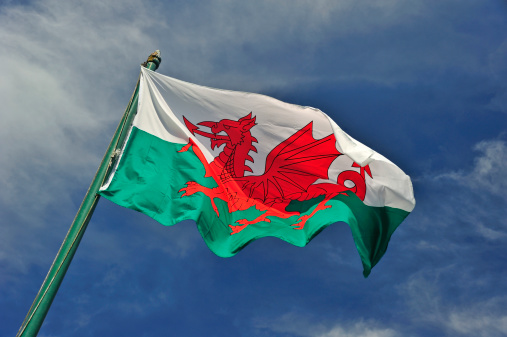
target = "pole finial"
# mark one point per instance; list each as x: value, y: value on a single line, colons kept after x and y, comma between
x: 153, y: 58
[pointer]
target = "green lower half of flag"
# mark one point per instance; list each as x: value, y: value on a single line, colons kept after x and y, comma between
x: 152, y: 172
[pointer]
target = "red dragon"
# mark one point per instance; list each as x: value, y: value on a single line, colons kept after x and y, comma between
x: 292, y: 168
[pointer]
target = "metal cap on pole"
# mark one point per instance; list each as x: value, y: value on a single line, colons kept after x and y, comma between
x: 40, y: 307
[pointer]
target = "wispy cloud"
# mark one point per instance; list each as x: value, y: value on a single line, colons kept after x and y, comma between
x: 457, y: 231
x: 53, y: 119
x: 428, y: 305
x: 478, y: 192
x: 301, y: 325
x: 488, y: 173
x: 60, y: 94
x: 241, y: 37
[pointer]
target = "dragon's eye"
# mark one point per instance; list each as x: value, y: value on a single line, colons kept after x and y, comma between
x: 227, y: 127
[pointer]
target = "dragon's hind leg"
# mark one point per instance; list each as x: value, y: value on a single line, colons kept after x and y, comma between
x: 243, y: 223
x: 320, y: 206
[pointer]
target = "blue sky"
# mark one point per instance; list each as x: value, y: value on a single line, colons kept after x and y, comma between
x: 421, y: 82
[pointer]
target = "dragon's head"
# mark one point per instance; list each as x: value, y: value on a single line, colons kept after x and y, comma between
x: 226, y: 131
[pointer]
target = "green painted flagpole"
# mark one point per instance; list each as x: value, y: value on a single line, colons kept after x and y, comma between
x: 40, y: 307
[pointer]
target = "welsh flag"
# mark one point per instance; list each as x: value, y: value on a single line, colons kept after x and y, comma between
x: 246, y: 166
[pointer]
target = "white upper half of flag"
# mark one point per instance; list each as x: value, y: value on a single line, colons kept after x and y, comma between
x: 164, y: 101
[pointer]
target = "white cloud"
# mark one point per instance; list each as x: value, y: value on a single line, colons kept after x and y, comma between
x: 490, y: 233
x: 60, y: 59
x: 428, y: 306
x: 480, y: 319
x: 306, y: 326
x: 489, y: 170
x: 62, y: 89
x: 260, y: 45
x: 477, y: 192
x: 458, y: 231
x: 360, y: 329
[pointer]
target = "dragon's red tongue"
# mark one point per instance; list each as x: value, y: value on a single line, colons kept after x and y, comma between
x: 218, y: 140
x: 207, y: 124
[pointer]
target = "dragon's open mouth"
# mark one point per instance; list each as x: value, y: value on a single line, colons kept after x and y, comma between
x: 216, y: 139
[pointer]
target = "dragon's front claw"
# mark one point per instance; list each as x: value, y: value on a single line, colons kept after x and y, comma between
x: 186, y: 147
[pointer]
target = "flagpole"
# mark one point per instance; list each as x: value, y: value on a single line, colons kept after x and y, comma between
x: 40, y: 307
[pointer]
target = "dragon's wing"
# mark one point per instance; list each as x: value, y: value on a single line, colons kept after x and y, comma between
x: 292, y: 166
